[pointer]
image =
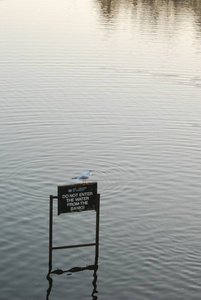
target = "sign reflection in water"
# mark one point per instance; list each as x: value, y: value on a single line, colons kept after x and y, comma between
x: 93, y: 268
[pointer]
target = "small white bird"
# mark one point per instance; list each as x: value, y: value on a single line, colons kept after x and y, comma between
x: 84, y: 176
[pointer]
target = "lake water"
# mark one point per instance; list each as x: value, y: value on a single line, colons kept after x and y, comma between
x: 114, y: 86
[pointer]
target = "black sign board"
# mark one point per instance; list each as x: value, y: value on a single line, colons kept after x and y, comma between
x: 77, y: 197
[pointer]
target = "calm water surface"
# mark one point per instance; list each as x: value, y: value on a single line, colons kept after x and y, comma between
x: 114, y: 86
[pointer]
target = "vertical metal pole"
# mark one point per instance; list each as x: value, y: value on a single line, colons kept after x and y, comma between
x: 97, y: 225
x: 50, y: 232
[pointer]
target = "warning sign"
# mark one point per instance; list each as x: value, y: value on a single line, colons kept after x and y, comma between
x: 77, y: 197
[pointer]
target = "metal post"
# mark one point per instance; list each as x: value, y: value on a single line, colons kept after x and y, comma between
x: 97, y: 225
x: 50, y: 231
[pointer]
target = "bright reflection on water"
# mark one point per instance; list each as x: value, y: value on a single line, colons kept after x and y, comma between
x: 114, y: 86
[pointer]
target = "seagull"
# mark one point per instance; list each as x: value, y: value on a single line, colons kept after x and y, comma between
x: 84, y: 176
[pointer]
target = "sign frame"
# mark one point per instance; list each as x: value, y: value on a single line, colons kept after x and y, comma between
x: 96, y: 208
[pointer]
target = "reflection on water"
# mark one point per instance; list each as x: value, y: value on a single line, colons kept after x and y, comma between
x: 154, y: 8
x: 75, y: 270
x: 166, y: 13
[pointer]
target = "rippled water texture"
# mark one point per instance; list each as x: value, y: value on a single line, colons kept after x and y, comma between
x: 114, y: 86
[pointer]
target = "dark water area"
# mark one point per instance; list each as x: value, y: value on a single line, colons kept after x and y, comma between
x: 113, y: 86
